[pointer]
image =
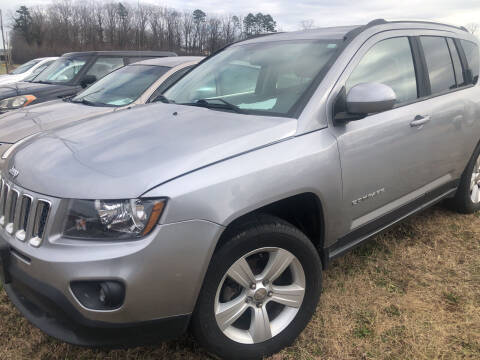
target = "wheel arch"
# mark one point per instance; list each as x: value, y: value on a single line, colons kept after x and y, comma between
x: 304, y: 211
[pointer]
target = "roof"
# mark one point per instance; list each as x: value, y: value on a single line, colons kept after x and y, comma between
x: 342, y: 32
x: 122, y: 53
x: 170, y: 61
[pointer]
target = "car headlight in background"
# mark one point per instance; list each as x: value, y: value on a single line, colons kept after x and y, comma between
x: 16, y: 102
x: 112, y: 219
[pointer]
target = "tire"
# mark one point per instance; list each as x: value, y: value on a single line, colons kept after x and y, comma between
x: 463, y: 201
x: 250, y: 244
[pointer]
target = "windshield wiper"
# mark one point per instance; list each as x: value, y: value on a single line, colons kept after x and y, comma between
x: 42, y: 82
x: 90, y: 103
x: 163, y: 99
x: 226, y: 105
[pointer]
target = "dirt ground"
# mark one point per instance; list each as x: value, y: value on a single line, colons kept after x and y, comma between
x: 410, y: 293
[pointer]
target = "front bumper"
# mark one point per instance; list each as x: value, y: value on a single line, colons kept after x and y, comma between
x: 47, y: 309
x: 162, y: 274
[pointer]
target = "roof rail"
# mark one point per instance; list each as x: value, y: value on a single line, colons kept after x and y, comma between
x: 354, y: 32
x: 428, y: 22
x: 376, y: 22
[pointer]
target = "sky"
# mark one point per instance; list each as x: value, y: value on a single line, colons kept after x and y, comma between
x: 289, y: 14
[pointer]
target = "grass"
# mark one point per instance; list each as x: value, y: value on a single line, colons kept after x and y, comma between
x: 2, y: 67
x: 413, y: 292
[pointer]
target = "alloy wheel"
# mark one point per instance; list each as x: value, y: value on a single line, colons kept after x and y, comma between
x: 260, y: 295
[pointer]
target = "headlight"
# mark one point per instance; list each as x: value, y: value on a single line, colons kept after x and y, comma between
x: 112, y: 219
x: 16, y: 102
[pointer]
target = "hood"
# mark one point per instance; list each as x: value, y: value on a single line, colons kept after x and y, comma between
x: 124, y: 154
x: 17, y: 124
x: 10, y: 79
x: 7, y: 91
x: 41, y: 91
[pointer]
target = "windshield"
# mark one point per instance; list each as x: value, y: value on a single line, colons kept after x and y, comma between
x: 121, y: 87
x: 25, y: 67
x: 62, y: 70
x: 37, y: 71
x: 263, y: 78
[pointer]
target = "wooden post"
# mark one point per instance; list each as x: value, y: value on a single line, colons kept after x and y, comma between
x: 3, y: 40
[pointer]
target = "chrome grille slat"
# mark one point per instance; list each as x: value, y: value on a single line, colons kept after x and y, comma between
x: 3, y: 201
x: 2, y: 184
x: 23, y: 215
x: 4, y: 204
x: 12, y: 210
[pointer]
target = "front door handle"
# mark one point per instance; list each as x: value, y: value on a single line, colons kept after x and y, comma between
x: 420, y: 120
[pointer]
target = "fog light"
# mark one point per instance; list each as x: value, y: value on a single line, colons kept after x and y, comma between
x: 111, y: 294
x: 99, y: 295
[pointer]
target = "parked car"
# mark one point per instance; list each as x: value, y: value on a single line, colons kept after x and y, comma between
x: 68, y: 75
x: 219, y: 208
x: 138, y: 83
x: 25, y: 71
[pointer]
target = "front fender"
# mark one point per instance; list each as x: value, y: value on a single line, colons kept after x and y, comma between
x: 224, y: 191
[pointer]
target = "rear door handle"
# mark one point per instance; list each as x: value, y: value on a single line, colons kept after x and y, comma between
x: 420, y: 120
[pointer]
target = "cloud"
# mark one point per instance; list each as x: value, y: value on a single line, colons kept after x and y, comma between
x: 288, y: 13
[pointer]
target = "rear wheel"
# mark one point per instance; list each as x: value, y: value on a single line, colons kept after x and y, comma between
x: 467, y: 198
x: 260, y: 291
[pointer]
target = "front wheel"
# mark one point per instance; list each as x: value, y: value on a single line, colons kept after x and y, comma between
x: 260, y: 291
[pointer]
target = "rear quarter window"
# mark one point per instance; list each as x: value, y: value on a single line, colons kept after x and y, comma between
x: 457, y: 64
x: 471, y: 53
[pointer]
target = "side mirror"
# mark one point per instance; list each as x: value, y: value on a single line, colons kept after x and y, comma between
x: 370, y: 98
x: 87, y: 80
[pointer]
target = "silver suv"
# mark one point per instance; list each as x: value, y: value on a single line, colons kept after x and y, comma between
x: 220, y: 207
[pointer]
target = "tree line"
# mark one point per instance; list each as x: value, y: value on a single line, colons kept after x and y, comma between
x: 66, y: 25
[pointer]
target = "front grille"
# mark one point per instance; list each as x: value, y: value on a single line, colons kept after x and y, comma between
x: 23, y: 215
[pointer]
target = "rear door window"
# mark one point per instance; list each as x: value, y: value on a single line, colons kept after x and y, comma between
x: 388, y: 62
x: 471, y: 53
x: 439, y: 63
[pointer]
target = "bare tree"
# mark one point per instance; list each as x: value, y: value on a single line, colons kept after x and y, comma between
x: 307, y: 24
x: 141, y: 16
x: 473, y: 28
x: 213, y: 34
x: 75, y: 25
x: 228, y: 30
x: 156, y: 21
x: 110, y: 15
x: 188, y: 28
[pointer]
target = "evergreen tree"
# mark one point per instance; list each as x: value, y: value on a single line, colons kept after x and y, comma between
x: 23, y: 23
